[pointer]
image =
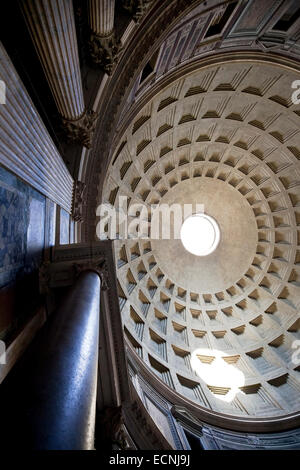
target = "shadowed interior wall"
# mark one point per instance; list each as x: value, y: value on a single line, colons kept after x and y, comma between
x: 22, y: 241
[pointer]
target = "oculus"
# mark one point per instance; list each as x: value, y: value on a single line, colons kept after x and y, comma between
x: 200, y: 234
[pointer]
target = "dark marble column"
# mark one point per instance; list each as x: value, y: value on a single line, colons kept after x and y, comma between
x: 48, y: 401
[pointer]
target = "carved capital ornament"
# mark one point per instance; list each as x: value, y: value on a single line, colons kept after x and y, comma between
x: 99, y: 266
x: 137, y: 8
x: 105, y: 51
x: 81, y: 130
x: 78, y: 200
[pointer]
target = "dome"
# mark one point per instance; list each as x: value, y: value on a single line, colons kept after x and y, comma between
x: 150, y: 228
x: 218, y: 329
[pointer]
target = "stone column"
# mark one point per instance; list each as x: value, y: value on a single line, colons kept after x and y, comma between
x: 52, y: 27
x: 26, y: 148
x: 101, y: 16
x: 58, y: 377
x: 104, y: 48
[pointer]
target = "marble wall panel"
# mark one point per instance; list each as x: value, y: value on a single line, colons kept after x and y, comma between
x: 22, y: 241
x: 64, y: 227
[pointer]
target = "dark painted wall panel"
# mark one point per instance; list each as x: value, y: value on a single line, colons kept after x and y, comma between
x: 22, y: 241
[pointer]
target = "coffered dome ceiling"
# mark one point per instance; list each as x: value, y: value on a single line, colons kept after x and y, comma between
x: 218, y: 329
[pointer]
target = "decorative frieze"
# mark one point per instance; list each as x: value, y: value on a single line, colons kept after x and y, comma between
x: 78, y: 200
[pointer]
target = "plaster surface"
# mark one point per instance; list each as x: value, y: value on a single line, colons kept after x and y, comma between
x: 237, y: 246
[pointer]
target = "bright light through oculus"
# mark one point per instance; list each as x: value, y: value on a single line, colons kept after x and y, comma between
x: 215, y: 368
x: 200, y: 234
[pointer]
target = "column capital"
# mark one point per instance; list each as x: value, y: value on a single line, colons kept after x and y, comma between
x: 137, y: 8
x: 79, y: 199
x: 112, y: 425
x: 98, y: 266
x: 104, y: 51
x: 81, y: 130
